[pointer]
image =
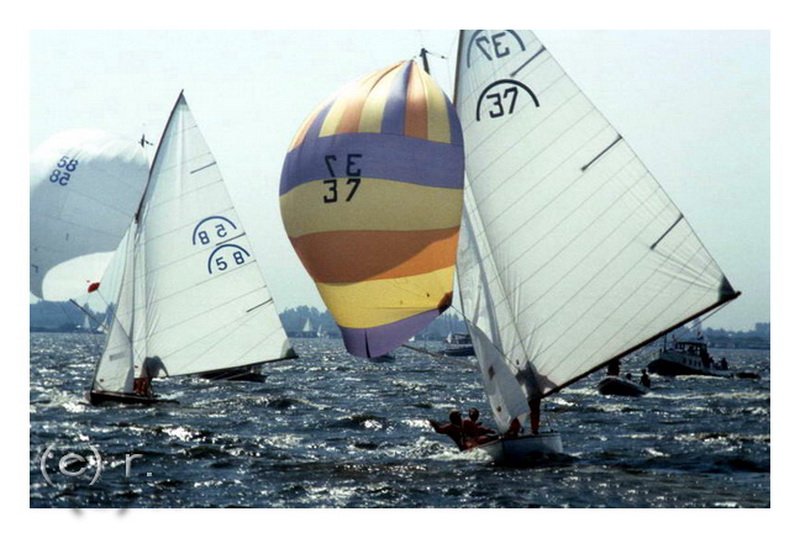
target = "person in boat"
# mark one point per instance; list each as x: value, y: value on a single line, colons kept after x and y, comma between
x: 151, y: 367
x: 475, y: 433
x: 628, y: 376
x: 613, y: 368
x: 723, y: 363
x: 514, y: 429
x: 453, y: 429
x: 706, y: 358
x: 535, y: 404
x: 645, y: 379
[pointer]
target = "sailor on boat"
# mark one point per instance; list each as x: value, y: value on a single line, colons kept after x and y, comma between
x: 151, y: 367
x: 475, y: 433
x: 645, y: 379
x: 453, y: 429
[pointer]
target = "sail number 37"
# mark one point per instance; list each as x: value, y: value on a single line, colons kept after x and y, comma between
x: 63, y: 170
x: 351, y: 170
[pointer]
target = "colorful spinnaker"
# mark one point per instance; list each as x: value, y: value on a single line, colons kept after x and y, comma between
x: 371, y: 197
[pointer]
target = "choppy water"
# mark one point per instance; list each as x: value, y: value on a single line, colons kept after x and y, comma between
x: 332, y: 430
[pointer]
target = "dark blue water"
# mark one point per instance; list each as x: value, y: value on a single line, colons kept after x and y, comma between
x: 332, y: 430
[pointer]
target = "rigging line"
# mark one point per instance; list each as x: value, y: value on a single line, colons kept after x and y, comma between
x: 87, y: 312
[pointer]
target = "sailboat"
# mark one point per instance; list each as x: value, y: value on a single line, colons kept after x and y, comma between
x: 571, y: 254
x: 192, y: 297
x: 85, y: 187
x: 371, y: 199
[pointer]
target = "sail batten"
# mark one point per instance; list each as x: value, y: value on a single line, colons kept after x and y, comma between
x: 575, y: 255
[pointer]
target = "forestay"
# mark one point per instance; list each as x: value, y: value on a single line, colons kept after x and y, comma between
x: 371, y: 199
x: 85, y: 187
x: 572, y: 253
x: 198, y: 299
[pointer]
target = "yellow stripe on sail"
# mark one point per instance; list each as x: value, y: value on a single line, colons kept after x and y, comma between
x: 372, y: 114
x: 438, y: 119
x: 377, y: 302
x: 377, y: 204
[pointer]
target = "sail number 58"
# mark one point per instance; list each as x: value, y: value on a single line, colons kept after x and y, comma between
x: 351, y: 170
x: 64, y: 168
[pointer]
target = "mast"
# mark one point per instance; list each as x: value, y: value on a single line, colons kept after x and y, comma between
x: 423, y: 52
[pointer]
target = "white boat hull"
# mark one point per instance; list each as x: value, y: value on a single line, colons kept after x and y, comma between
x: 524, y: 449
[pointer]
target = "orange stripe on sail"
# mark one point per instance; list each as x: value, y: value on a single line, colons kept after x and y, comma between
x: 355, y: 256
x: 416, y: 105
x: 351, y: 117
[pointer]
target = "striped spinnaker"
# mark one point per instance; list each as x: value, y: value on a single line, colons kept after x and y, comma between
x: 371, y: 197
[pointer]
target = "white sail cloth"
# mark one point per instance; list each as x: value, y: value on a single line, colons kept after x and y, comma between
x: 574, y: 254
x: 199, y: 301
x: 85, y: 186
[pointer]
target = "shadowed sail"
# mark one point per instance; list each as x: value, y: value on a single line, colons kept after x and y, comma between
x: 85, y: 187
x: 371, y: 198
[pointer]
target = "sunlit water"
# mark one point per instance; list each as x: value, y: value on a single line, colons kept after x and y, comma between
x: 333, y: 430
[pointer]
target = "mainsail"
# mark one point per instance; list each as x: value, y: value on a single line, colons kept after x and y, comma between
x: 192, y: 298
x: 85, y: 187
x: 571, y: 253
x: 371, y: 198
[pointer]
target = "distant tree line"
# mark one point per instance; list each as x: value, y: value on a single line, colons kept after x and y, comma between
x: 50, y: 316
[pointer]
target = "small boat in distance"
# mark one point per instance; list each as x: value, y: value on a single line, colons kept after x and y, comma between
x: 459, y: 345
x: 688, y: 357
x: 614, y: 385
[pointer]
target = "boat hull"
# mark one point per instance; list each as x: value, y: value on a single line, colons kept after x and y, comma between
x: 523, y: 450
x: 465, y: 351
x: 617, y: 386
x: 98, y: 397
x: 243, y: 373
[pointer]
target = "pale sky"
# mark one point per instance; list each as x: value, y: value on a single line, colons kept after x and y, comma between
x: 694, y: 105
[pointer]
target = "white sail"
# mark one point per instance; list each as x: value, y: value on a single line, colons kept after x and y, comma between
x: 114, y: 370
x: 199, y: 301
x: 85, y: 187
x: 572, y: 254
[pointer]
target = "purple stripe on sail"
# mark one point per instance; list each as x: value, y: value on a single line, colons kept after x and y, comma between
x: 394, y: 112
x: 377, y: 341
x: 375, y: 155
x: 456, y: 134
x: 316, y: 125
